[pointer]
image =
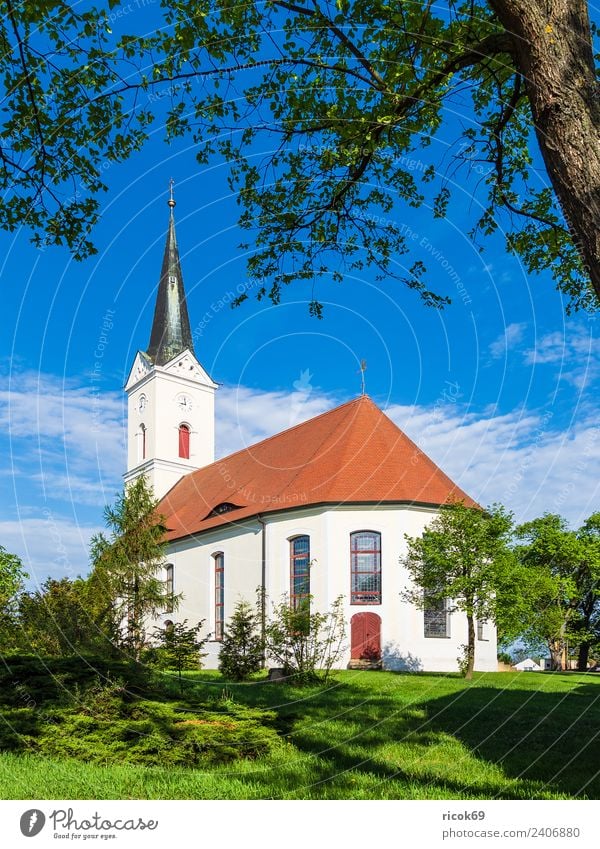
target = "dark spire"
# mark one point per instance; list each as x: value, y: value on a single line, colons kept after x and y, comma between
x: 171, y: 333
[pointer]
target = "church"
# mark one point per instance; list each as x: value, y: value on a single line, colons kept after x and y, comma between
x: 319, y: 509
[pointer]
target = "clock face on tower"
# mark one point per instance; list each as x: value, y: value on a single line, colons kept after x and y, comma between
x: 184, y: 402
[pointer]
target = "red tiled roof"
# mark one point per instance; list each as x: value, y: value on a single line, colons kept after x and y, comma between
x: 353, y: 453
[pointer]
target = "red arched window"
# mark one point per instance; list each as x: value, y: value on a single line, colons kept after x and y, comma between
x: 365, y: 562
x: 219, y: 594
x: 169, y: 601
x: 184, y: 442
x: 299, y: 571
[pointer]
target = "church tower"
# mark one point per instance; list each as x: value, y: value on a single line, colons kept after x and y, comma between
x: 171, y: 398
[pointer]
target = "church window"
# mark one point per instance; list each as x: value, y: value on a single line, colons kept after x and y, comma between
x: 219, y: 594
x: 436, y: 618
x: 481, y: 630
x: 299, y: 571
x: 184, y: 442
x: 169, y: 569
x: 142, y: 442
x: 365, y: 566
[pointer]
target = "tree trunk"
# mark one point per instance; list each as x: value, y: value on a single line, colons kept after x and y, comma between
x: 556, y: 655
x: 583, y: 657
x: 470, y: 647
x: 553, y: 49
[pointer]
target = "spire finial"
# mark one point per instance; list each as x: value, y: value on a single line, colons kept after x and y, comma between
x: 361, y: 371
x: 171, y: 200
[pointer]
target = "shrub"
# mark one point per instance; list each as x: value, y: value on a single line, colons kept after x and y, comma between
x: 177, y: 647
x: 307, y: 645
x: 242, y: 650
x: 113, y: 726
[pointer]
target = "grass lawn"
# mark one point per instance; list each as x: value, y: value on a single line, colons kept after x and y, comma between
x: 371, y: 735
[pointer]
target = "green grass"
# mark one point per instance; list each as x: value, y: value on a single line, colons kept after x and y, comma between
x: 370, y: 735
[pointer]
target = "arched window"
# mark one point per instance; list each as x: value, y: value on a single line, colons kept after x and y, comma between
x: 169, y: 587
x: 299, y: 571
x: 184, y: 441
x: 142, y: 442
x: 219, y: 594
x: 365, y: 567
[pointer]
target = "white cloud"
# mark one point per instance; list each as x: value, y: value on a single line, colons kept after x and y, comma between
x: 66, y: 437
x: 49, y: 545
x: 512, y: 336
x: 517, y: 459
x: 576, y: 353
x: 246, y: 416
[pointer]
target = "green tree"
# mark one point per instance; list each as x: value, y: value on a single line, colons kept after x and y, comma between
x: 64, y: 617
x: 463, y: 560
x: 127, y: 565
x: 242, y: 649
x: 12, y: 577
x: 177, y: 646
x: 559, y: 584
x: 350, y: 94
x: 587, y: 627
x: 307, y: 644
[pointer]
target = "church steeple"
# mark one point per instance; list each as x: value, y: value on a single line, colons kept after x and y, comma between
x: 171, y: 333
x: 171, y: 397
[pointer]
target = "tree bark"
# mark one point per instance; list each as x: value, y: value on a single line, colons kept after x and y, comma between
x: 556, y: 648
x: 553, y: 49
x: 583, y: 657
x: 470, y: 647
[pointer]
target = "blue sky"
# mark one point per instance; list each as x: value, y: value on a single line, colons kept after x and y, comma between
x: 500, y: 388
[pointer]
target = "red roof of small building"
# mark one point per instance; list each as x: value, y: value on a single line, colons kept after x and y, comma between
x: 353, y: 453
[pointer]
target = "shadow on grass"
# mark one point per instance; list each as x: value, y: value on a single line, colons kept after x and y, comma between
x: 386, y: 735
x: 513, y: 742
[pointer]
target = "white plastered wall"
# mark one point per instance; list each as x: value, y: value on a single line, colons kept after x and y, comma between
x: 403, y: 643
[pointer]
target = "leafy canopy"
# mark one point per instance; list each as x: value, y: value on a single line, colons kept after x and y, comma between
x: 349, y: 96
x: 12, y: 577
x: 559, y: 581
x: 463, y: 560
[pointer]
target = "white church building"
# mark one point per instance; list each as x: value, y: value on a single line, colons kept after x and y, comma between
x: 319, y: 509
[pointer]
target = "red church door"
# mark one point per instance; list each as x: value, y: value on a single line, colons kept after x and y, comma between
x: 365, y: 636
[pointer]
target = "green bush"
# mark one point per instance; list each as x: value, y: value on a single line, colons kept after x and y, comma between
x: 27, y: 680
x: 113, y: 726
x: 307, y: 644
x: 242, y: 651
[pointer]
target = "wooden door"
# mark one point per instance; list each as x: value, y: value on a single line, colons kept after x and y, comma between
x: 365, y: 636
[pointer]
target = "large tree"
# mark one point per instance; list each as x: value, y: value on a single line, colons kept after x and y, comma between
x: 587, y: 627
x: 560, y: 584
x: 462, y: 560
x: 351, y: 93
x: 128, y: 565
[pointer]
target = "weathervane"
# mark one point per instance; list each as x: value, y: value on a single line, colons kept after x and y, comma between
x: 362, y: 370
x: 171, y: 200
